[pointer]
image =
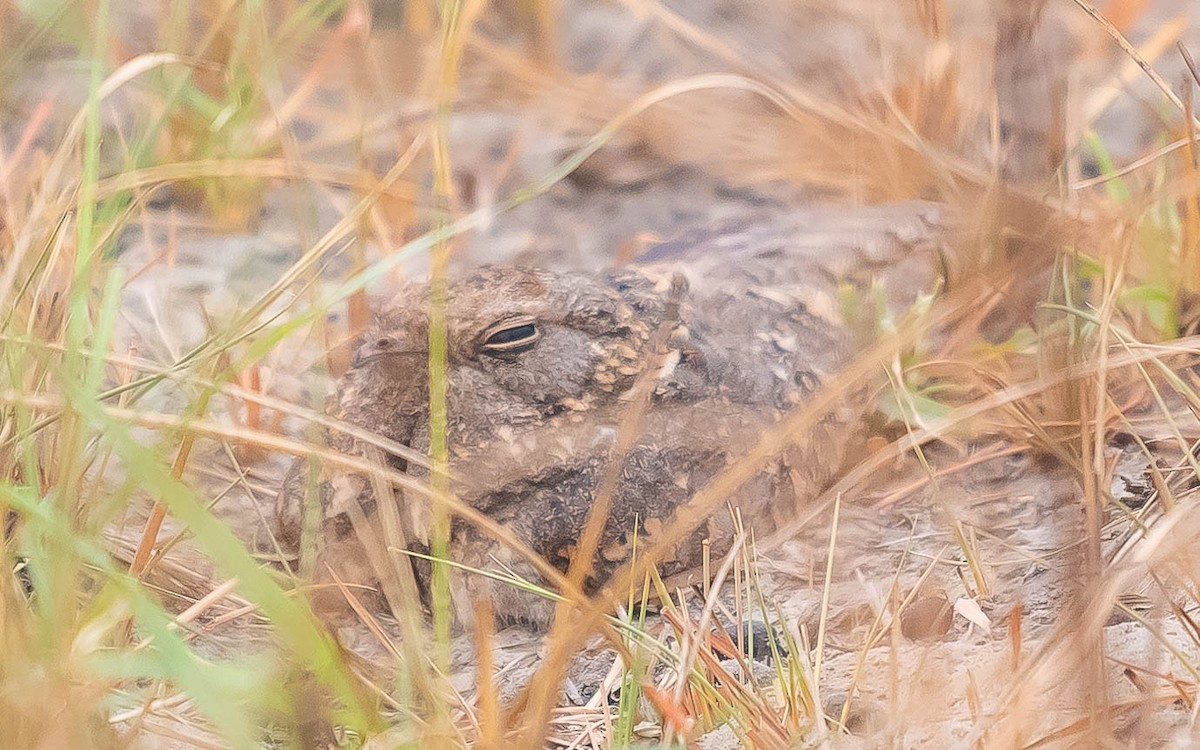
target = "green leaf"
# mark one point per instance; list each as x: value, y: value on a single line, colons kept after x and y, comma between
x: 1115, y: 187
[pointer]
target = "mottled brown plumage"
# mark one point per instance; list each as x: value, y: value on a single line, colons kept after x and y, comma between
x: 540, y: 370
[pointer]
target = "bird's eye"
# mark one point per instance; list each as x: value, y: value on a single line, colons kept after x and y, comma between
x: 511, y: 338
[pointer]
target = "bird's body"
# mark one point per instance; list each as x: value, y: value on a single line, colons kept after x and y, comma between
x: 542, y: 368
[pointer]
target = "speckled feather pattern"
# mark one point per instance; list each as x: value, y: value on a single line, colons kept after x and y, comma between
x: 532, y: 421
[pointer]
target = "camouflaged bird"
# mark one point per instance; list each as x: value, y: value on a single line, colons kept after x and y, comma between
x: 541, y: 367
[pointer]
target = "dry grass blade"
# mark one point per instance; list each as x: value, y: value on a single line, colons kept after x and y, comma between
x: 1187, y: 59
x: 1133, y: 54
x: 159, y: 512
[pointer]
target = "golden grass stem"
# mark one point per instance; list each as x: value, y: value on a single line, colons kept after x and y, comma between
x: 158, y: 512
x: 488, y: 700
